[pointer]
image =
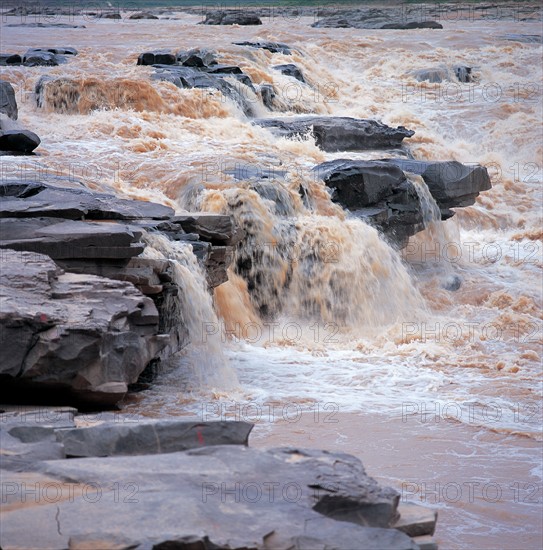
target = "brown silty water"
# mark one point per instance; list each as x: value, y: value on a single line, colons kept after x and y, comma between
x: 377, y: 332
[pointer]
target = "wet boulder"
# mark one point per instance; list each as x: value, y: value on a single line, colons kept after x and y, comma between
x: 451, y: 183
x: 290, y: 69
x: 14, y: 139
x: 161, y: 57
x: 231, y: 18
x: 198, y: 57
x: 39, y: 58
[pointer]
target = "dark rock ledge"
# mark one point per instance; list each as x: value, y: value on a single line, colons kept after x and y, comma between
x: 134, y: 483
x: 82, y: 314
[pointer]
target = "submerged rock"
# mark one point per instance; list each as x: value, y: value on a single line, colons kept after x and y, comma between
x: 35, y: 58
x: 338, y: 133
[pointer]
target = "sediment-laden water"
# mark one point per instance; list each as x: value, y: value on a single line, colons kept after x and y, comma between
x: 328, y: 317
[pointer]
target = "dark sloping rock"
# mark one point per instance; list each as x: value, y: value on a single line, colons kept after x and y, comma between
x: 150, y: 437
x: 267, y: 93
x: 70, y: 337
x: 360, y: 183
x: 451, y: 183
x: 8, y: 104
x: 338, y: 133
x: 231, y: 18
x: 290, y: 69
x: 273, y: 47
x: 14, y: 138
x: 10, y: 59
x: 275, y: 497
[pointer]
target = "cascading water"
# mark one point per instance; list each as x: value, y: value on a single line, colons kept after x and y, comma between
x: 204, y: 361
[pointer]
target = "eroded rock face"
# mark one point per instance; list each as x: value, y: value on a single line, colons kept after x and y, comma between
x: 286, y: 498
x: 8, y: 104
x: 289, y: 69
x: 338, y: 133
x: 273, y: 47
x: 74, y: 334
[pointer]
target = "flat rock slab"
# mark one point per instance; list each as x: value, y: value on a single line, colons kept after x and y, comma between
x: 146, y: 437
x: 215, y: 497
x: 338, y: 133
x: 83, y: 337
x: 25, y: 199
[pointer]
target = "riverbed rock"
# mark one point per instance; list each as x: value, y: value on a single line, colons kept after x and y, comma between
x: 143, y: 15
x: 231, y: 18
x: 273, y: 47
x: 79, y: 338
x: 162, y: 57
x: 7, y: 59
x: 197, y: 57
x: 338, y: 133
x: 280, y: 498
x: 14, y: 138
x: 8, y: 103
x: 451, y: 183
x: 373, y: 18
x: 289, y: 69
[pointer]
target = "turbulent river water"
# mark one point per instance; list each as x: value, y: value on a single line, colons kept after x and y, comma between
x: 438, y: 392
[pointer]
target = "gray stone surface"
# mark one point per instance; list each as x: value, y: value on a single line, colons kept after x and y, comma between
x: 150, y: 437
x: 215, y: 497
x: 415, y: 520
x: 338, y: 133
x: 27, y: 198
x: 289, y: 69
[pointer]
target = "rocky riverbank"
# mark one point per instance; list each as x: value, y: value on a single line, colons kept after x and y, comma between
x: 172, y: 484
